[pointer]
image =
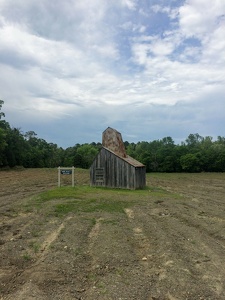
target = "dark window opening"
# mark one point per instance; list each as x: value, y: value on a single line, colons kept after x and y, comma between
x: 99, y: 175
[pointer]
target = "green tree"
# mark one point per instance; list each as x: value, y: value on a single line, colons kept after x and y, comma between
x: 15, y: 150
x: 87, y: 154
x: 41, y: 153
x: 166, y: 155
x: 130, y: 150
x: 154, y: 158
x: 1, y: 113
x: 3, y: 142
x: 194, y: 141
x: 190, y: 163
x: 68, y: 157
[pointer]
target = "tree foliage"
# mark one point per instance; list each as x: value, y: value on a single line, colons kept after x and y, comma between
x: 1, y: 113
x: 195, y: 154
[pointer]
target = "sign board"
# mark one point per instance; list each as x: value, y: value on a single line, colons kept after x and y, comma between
x: 66, y: 172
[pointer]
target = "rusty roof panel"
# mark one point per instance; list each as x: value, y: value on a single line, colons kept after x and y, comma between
x: 129, y: 159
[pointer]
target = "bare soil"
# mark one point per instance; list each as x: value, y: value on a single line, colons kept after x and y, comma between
x: 168, y: 244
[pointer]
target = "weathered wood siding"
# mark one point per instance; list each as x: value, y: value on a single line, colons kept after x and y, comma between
x: 140, y: 177
x: 109, y: 170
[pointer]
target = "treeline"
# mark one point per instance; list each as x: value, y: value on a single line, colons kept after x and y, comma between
x: 29, y: 151
x: 195, y: 154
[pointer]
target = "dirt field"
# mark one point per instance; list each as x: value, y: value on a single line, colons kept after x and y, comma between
x: 165, y: 242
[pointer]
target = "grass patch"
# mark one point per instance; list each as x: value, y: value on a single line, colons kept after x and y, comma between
x: 81, y: 192
x: 61, y: 201
x: 27, y: 257
x: 92, y: 205
x: 63, y: 192
x: 111, y: 222
x: 35, y: 246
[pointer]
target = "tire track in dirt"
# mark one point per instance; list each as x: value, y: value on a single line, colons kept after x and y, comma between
x: 94, y: 233
x: 92, y: 238
x: 211, y: 262
x: 199, y: 265
x: 50, y: 239
x: 142, y: 242
x: 145, y: 252
x: 12, y: 231
x: 191, y: 255
x: 28, y: 275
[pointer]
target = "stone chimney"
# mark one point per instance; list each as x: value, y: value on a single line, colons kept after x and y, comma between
x: 112, y: 140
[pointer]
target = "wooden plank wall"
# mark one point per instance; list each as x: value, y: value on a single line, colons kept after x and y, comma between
x: 117, y: 172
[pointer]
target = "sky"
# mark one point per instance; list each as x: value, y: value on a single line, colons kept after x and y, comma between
x: 148, y: 68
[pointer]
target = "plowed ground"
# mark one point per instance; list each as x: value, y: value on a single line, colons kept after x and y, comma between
x: 164, y: 242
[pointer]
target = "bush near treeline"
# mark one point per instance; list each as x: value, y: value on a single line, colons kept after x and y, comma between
x: 195, y: 154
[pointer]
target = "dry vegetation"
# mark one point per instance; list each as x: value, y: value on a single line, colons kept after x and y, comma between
x: 164, y: 242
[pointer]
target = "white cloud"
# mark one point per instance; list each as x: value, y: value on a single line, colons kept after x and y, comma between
x: 200, y: 17
x: 214, y: 47
x: 127, y: 25
x: 171, y: 12
x: 131, y: 4
x: 142, y: 29
x: 161, y: 47
x: 103, y: 63
x: 140, y: 53
x: 107, y: 50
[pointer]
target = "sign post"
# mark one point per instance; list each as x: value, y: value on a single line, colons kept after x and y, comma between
x: 65, y: 171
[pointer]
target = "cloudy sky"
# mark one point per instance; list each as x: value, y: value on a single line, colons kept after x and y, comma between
x: 148, y: 68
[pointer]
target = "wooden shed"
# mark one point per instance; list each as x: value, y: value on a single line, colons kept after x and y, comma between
x: 113, y: 168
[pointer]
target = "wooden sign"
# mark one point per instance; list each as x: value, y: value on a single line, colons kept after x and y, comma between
x: 65, y: 171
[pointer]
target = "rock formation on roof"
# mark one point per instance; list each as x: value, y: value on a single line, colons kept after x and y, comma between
x: 112, y: 140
